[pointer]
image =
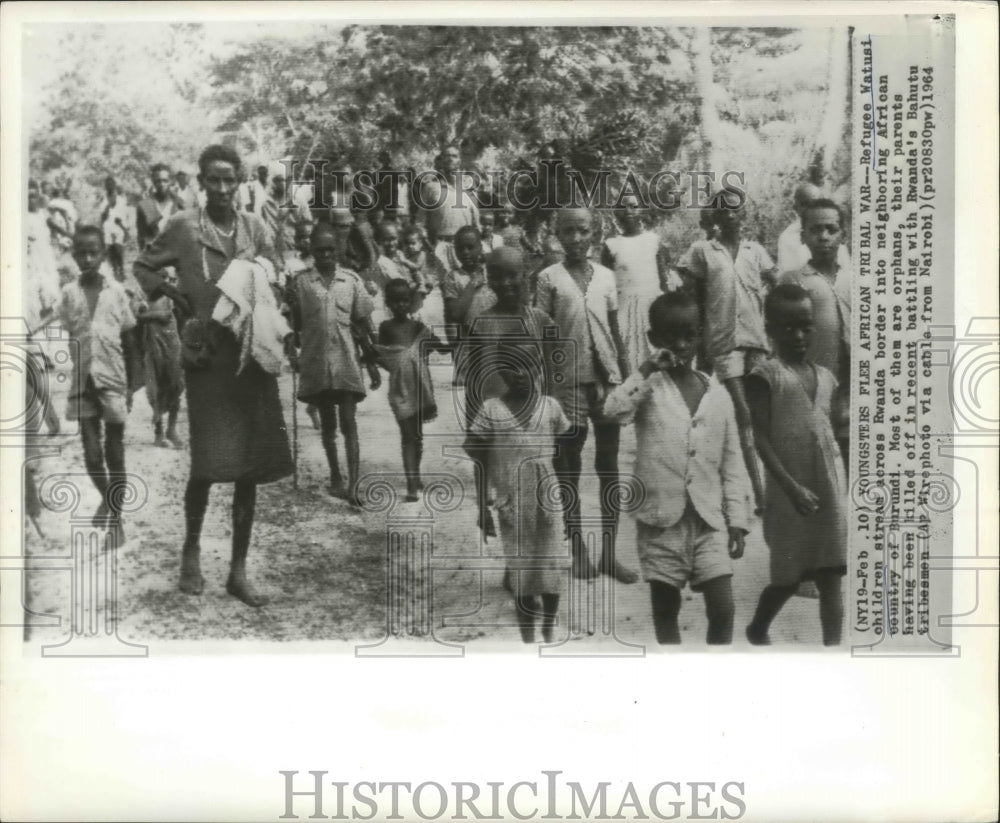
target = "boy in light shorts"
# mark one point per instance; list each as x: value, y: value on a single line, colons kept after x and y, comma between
x: 96, y: 312
x: 693, y: 521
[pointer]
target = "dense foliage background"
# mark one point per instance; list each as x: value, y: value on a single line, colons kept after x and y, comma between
x: 114, y: 98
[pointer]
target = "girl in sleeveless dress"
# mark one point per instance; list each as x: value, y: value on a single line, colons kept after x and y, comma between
x: 805, y: 522
x: 639, y: 262
x: 403, y: 345
x: 516, y: 433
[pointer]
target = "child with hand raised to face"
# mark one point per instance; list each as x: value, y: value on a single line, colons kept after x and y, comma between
x: 805, y: 523
x: 515, y: 435
x: 403, y: 346
x: 694, y: 518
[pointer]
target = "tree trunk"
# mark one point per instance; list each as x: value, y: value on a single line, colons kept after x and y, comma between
x: 831, y: 133
x: 701, y: 47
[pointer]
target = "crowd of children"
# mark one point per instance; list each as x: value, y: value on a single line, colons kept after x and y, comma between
x: 734, y: 373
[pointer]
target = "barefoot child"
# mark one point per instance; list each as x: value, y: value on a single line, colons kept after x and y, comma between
x: 515, y: 434
x: 161, y: 347
x: 403, y: 346
x: 582, y: 299
x: 510, y: 317
x: 805, y: 524
x: 729, y: 274
x: 95, y: 312
x: 326, y: 301
x: 694, y: 518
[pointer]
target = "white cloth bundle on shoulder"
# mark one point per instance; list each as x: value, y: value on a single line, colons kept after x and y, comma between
x: 249, y: 308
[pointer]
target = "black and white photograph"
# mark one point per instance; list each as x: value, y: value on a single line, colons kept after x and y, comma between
x: 456, y: 370
x: 270, y: 273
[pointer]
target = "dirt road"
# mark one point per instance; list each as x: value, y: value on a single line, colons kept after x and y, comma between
x: 323, y: 564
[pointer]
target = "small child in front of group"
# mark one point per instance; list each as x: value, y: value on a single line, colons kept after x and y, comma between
x: 403, y: 346
x: 95, y: 311
x: 515, y: 435
x: 509, y: 317
x: 805, y: 520
x: 694, y: 519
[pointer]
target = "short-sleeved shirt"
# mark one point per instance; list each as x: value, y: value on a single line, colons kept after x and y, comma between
x: 583, y: 317
x: 831, y: 315
x: 97, y: 348
x: 323, y: 314
x: 733, y: 294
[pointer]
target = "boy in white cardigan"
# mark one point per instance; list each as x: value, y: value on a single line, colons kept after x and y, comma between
x: 693, y: 521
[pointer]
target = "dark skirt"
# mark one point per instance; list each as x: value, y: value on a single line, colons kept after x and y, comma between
x: 237, y: 428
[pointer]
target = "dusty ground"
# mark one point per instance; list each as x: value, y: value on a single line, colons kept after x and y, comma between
x: 324, y: 564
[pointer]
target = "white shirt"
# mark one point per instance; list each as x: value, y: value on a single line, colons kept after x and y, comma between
x: 680, y: 456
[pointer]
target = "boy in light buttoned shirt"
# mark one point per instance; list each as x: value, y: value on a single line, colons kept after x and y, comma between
x: 693, y: 521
